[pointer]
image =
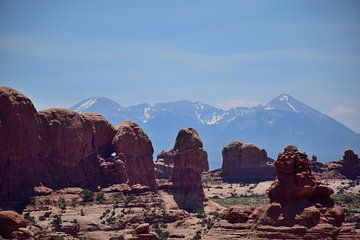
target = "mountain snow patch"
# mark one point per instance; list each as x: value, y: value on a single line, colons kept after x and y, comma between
x: 86, y: 105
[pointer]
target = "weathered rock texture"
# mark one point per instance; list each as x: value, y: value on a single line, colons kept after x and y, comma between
x: 58, y: 148
x: 164, y: 165
x: 246, y: 162
x: 143, y: 233
x: 347, y: 168
x: 300, y: 208
x: 190, y: 160
x: 294, y: 180
x: 134, y: 147
x: 13, y: 226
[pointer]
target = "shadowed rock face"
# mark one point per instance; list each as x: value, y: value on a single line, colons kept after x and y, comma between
x: 60, y: 148
x: 20, y: 145
x: 347, y: 168
x: 246, y: 162
x: 186, y: 139
x: 300, y: 208
x: 164, y: 164
x: 190, y: 160
x: 350, y: 165
x: 295, y: 180
x: 134, y: 147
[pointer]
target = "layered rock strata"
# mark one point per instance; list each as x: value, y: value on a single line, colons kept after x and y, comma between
x: 246, y: 162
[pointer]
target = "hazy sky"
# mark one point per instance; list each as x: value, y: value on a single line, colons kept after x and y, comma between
x: 225, y: 53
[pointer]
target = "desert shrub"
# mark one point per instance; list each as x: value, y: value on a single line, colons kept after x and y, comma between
x: 28, y: 217
x: 62, y: 203
x: 201, y: 214
x: 56, y: 222
x: 73, y: 202
x: 197, y: 236
x: 100, y: 198
x: 47, y: 201
x: 87, y: 195
x: 45, y: 216
x: 215, y: 214
x: 162, y: 234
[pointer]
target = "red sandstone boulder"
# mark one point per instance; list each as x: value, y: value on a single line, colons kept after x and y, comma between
x: 143, y: 233
x: 20, y: 143
x: 295, y: 180
x: 237, y: 214
x: 190, y: 160
x: 134, y: 147
x: 10, y: 221
x: 60, y: 148
x: 246, y: 162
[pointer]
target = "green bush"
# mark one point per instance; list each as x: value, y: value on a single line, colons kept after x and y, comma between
x: 201, y: 214
x: 100, y: 198
x: 87, y: 195
x: 57, y: 222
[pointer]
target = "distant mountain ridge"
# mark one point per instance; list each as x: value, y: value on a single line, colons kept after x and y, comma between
x: 284, y: 120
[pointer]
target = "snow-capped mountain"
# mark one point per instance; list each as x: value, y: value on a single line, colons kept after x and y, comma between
x: 284, y: 120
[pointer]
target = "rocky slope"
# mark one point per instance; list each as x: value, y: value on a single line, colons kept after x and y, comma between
x: 246, y: 162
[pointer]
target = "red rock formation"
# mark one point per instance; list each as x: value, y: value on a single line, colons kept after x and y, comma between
x: 300, y: 208
x: 20, y: 145
x: 13, y: 226
x: 134, y: 147
x: 246, y: 162
x: 190, y: 160
x: 347, y: 168
x: 164, y: 165
x: 295, y: 180
x: 60, y: 148
x: 143, y: 233
x: 350, y: 165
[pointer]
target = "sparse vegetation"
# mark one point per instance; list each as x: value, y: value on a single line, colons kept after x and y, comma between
x: 28, y: 217
x: 87, y: 195
x: 62, y: 203
x: 351, y: 205
x: 45, y: 216
x: 73, y: 202
x: 197, y: 236
x: 162, y: 234
x: 56, y: 223
x: 201, y: 214
x: 100, y: 198
x: 250, y: 199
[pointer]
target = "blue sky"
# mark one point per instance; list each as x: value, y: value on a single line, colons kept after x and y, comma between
x: 225, y: 53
